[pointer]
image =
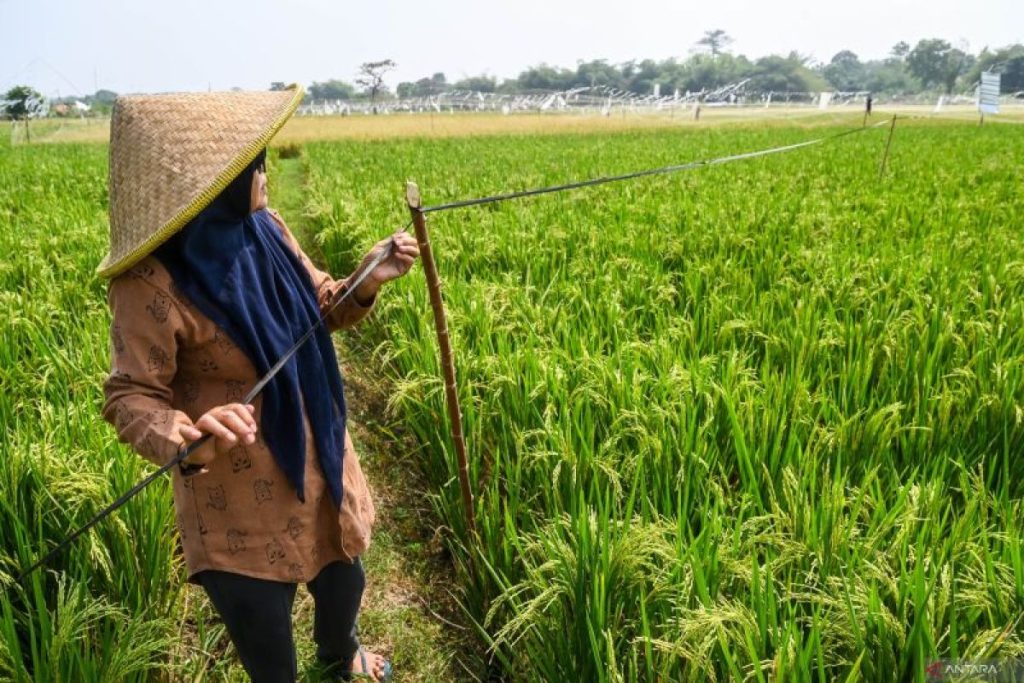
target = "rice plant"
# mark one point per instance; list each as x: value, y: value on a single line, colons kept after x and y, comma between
x: 756, y: 422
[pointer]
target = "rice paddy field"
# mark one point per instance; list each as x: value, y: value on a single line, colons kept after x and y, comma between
x: 762, y: 421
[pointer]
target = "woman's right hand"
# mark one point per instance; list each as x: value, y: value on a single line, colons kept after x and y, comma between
x: 230, y: 424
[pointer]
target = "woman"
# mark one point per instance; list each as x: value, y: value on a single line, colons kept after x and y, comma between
x: 209, y: 289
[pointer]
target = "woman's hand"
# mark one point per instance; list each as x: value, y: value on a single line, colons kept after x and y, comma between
x: 229, y: 424
x: 403, y: 254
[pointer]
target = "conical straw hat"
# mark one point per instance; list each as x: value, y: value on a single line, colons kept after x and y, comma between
x: 171, y: 155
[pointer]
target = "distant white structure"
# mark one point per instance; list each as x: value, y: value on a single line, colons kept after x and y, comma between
x: 598, y: 100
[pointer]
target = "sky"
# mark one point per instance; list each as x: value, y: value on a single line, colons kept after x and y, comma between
x: 68, y: 47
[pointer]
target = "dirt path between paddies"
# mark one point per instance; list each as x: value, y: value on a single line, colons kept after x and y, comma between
x: 408, y: 613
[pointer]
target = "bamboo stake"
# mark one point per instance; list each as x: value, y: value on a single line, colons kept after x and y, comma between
x: 412, y: 197
x: 885, y: 157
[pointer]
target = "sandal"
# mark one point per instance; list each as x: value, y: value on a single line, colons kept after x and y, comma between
x: 385, y: 678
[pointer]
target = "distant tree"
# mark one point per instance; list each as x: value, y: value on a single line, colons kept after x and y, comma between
x: 785, y: 74
x: 1007, y: 61
x: 900, y: 50
x: 477, y: 84
x: 800, y: 59
x: 705, y: 71
x: 702, y: 72
x: 545, y: 77
x: 428, y: 86
x: 937, y: 63
x: 278, y: 85
x: 424, y: 87
x: 965, y: 64
x: 104, y: 96
x: 332, y: 90
x: 888, y: 75
x: 21, y: 103
x: 598, y: 72
x: 670, y: 73
x: 845, y: 72
x: 641, y: 77
x: 715, y: 41
x: 508, y: 86
x: 1013, y: 74
x: 371, y: 76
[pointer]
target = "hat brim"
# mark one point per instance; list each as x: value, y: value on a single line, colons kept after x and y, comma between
x: 114, y: 264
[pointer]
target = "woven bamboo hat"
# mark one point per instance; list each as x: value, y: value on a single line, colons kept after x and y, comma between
x: 171, y: 155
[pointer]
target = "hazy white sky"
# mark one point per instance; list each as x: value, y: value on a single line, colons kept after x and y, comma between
x: 74, y: 46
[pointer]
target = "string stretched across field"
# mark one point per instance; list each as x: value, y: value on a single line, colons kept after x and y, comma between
x: 420, y: 211
x: 649, y: 172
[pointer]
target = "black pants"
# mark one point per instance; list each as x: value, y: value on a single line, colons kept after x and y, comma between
x: 258, y: 617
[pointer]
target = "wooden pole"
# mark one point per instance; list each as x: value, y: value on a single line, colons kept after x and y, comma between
x: 412, y: 197
x: 888, y: 143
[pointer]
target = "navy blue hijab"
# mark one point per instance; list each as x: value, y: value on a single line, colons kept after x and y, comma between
x: 236, y: 268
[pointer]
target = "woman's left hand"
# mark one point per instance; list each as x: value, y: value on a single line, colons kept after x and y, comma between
x: 403, y: 255
x: 404, y: 252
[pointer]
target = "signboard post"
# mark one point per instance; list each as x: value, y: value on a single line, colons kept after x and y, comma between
x: 988, y: 95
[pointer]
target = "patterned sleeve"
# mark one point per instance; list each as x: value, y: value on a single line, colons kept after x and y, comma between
x: 328, y: 289
x: 144, y: 346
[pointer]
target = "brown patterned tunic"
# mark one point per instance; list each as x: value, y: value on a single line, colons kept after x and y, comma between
x: 170, y: 365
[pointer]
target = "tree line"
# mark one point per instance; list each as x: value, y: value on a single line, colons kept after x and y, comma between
x: 932, y: 64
